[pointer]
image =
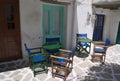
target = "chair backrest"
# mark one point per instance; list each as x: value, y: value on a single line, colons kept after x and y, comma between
x: 53, y: 40
x: 27, y: 48
x: 81, y: 36
x: 107, y: 42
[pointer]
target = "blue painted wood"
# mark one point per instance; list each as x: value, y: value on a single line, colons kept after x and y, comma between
x: 98, y: 28
x: 37, y: 59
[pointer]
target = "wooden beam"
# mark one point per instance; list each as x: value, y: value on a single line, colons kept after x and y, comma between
x: 107, y: 6
x: 55, y: 2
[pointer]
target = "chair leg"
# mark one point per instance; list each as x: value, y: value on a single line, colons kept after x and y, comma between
x: 90, y: 48
x: 34, y: 73
x: 64, y: 78
x: 52, y: 73
x: 66, y: 73
x: 46, y: 69
x: 103, y: 59
x: 92, y: 58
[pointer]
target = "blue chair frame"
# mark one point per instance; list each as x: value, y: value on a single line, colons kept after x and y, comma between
x: 37, y: 59
x: 83, y: 47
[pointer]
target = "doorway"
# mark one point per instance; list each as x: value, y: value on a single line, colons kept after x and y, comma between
x: 10, y: 41
x: 118, y: 35
x: 98, y: 28
x: 53, y: 21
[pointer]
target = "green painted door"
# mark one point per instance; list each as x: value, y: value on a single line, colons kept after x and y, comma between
x: 53, y: 21
x: 118, y: 35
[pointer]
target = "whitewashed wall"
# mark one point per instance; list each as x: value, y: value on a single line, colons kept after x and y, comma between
x: 31, y: 24
x: 69, y: 25
x: 114, y: 22
x: 83, y: 22
x: 77, y: 21
x: 112, y: 18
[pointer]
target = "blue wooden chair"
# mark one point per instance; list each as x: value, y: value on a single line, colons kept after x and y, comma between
x: 38, y: 60
x: 63, y: 63
x: 107, y: 42
x: 83, y: 43
x: 99, y: 52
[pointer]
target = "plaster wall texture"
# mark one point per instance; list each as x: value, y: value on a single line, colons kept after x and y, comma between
x: 78, y: 19
x: 114, y: 22
x: 31, y: 24
x: 112, y: 19
x: 82, y: 21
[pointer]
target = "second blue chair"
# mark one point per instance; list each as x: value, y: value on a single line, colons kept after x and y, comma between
x: 83, y: 43
x: 63, y: 63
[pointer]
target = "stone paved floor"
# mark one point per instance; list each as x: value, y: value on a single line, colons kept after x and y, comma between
x: 83, y: 70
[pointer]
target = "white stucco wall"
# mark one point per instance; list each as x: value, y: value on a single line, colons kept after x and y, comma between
x: 83, y: 16
x: 69, y: 25
x: 31, y: 24
x: 77, y: 21
x: 114, y: 22
x: 112, y: 18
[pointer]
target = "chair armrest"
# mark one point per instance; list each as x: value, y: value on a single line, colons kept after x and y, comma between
x: 62, y: 50
x: 99, y: 42
x: 63, y: 55
x: 101, y: 46
x: 52, y: 56
x: 35, y: 54
x: 36, y: 48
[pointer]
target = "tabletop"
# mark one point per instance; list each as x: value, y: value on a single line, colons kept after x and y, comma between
x: 51, y: 46
x: 85, y: 40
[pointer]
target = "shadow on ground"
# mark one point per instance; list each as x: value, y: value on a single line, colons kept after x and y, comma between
x: 107, y: 72
x: 13, y: 65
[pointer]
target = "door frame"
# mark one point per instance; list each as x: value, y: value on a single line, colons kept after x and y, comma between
x: 62, y: 35
x: 98, y: 23
x: 118, y: 34
x: 9, y: 32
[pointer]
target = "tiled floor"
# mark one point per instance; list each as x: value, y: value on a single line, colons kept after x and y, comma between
x: 83, y: 70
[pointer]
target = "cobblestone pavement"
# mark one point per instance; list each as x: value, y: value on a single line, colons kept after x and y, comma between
x: 83, y: 70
